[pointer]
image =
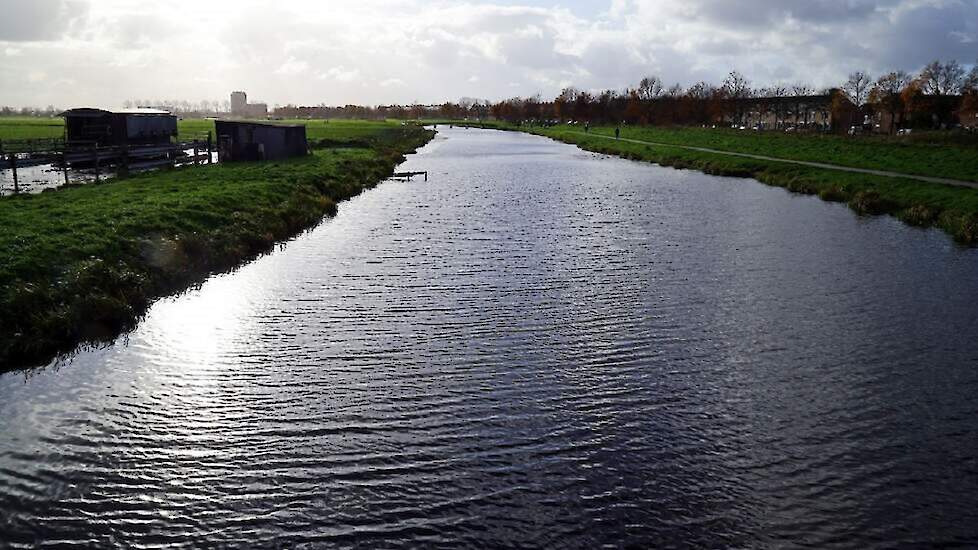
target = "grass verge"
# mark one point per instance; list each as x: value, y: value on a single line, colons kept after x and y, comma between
x: 81, y: 265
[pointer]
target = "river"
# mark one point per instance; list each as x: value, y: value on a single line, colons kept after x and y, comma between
x: 539, y: 347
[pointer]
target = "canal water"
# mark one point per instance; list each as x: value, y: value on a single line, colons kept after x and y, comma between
x: 539, y: 347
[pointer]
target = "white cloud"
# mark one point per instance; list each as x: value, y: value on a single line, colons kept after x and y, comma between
x: 385, y: 51
x: 293, y: 67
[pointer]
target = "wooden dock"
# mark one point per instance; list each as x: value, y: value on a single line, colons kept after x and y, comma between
x: 409, y: 175
x: 121, y: 158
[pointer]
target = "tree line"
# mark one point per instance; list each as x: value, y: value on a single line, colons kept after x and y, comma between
x: 929, y: 97
x: 932, y: 95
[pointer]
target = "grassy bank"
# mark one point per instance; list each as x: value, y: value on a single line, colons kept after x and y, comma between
x: 81, y: 265
x: 952, y: 209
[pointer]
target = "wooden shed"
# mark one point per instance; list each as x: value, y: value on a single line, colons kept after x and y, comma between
x: 130, y: 127
x: 251, y: 141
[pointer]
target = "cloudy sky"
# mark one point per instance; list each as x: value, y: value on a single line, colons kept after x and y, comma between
x: 102, y: 52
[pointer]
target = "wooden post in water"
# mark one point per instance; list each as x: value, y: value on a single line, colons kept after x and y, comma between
x: 196, y: 152
x: 210, y: 154
x: 64, y: 163
x: 95, y: 160
x: 13, y: 166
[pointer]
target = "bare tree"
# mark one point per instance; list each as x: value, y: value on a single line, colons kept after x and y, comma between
x: 736, y: 85
x: 736, y: 88
x: 650, y: 88
x: 942, y: 78
x: 857, y: 87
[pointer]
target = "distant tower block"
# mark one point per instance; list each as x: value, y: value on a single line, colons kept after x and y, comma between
x: 239, y: 104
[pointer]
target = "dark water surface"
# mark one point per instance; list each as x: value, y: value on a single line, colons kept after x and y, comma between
x: 539, y: 347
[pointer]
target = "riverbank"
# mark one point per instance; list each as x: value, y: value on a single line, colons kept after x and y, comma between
x: 82, y: 264
x: 922, y: 204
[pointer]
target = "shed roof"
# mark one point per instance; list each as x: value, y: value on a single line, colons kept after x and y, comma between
x: 90, y: 111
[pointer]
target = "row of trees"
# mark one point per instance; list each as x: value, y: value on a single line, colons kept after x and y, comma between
x: 183, y: 107
x: 934, y: 91
x: 48, y: 111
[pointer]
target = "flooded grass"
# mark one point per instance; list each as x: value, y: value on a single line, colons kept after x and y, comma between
x: 82, y: 264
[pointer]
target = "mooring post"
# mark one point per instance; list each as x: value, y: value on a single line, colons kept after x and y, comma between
x: 64, y: 163
x: 196, y: 153
x: 95, y: 160
x: 13, y: 166
x: 210, y: 149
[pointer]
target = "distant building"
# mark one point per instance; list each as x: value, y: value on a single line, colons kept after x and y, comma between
x: 968, y: 114
x: 257, y: 110
x: 824, y: 112
x: 240, y: 108
x: 251, y: 141
x: 86, y: 126
x: 239, y: 103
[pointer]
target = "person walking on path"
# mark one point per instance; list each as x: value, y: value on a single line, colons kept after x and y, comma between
x: 617, y: 132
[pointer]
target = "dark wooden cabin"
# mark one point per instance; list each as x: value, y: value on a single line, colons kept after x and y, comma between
x: 130, y: 127
x: 250, y: 141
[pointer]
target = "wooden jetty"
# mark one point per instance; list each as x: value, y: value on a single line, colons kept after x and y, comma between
x: 409, y: 175
x: 122, y: 158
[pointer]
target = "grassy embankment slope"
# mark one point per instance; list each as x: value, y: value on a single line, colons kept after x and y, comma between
x: 81, y: 265
x: 953, y: 209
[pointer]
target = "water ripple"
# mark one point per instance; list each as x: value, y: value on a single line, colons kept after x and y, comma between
x: 539, y: 347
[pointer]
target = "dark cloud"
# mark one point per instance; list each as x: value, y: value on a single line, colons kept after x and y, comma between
x: 38, y: 20
x: 926, y: 33
x: 764, y: 13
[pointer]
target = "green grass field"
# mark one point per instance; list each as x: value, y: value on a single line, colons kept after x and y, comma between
x: 925, y: 155
x: 337, y: 131
x: 31, y: 128
x: 83, y: 263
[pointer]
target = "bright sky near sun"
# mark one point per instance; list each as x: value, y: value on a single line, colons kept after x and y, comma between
x: 103, y: 52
